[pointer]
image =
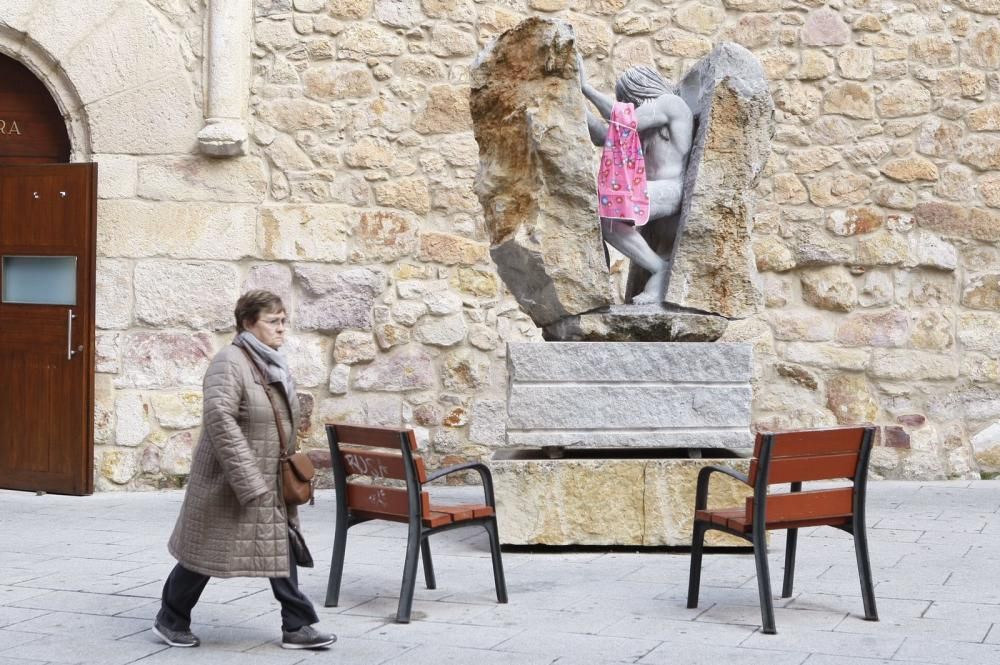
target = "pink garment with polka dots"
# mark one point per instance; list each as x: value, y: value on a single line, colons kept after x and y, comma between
x: 621, y: 180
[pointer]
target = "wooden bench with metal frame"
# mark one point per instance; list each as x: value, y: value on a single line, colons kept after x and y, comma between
x: 792, y: 457
x: 383, y: 453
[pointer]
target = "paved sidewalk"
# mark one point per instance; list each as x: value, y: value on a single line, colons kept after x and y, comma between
x: 80, y: 578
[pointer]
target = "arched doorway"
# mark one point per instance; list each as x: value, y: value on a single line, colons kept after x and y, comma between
x: 32, y: 130
x: 47, y: 261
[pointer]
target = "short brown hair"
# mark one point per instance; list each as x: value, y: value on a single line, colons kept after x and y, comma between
x: 253, y: 303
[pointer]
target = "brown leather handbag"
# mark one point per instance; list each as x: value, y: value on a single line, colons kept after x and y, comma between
x: 297, y: 470
x: 297, y: 473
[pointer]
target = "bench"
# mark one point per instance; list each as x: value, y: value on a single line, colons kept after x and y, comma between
x: 384, y: 454
x: 792, y: 457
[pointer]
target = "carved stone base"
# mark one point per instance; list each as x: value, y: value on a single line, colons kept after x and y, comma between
x: 637, y: 323
x: 585, y: 499
x: 223, y: 138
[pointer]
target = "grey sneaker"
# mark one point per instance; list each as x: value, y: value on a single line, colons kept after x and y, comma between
x: 175, y: 638
x: 306, y: 637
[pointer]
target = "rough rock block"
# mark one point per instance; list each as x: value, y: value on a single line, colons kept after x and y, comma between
x: 713, y: 267
x: 535, y: 182
x: 639, y: 323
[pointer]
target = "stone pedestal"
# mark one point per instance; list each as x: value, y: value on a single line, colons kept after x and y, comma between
x: 606, y: 499
x: 606, y: 440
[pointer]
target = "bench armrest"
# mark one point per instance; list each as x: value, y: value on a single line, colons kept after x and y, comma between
x: 701, y: 495
x: 479, y: 467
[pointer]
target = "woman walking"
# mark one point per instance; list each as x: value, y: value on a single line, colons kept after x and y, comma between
x: 234, y: 522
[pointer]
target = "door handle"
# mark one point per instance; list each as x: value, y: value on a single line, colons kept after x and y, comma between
x: 69, y: 334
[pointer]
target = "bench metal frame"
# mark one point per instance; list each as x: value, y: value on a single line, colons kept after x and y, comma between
x: 758, y: 533
x: 417, y: 543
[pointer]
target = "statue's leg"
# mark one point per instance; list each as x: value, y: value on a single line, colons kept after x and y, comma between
x: 626, y: 239
x: 665, y: 197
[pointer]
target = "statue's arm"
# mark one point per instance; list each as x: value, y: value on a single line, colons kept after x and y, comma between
x: 672, y: 111
x: 598, y: 129
x: 601, y: 102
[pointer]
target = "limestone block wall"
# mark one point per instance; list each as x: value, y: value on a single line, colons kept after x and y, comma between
x: 878, y: 215
x: 877, y: 229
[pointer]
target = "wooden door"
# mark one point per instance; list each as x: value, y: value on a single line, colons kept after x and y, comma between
x: 47, y: 254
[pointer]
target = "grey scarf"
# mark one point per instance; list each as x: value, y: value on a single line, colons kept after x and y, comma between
x: 271, y: 361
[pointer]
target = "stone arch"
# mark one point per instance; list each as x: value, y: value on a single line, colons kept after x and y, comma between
x: 47, y: 70
x: 117, y: 71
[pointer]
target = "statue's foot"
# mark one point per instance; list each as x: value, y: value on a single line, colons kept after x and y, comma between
x: 654, y: 291
x: 645, y: 299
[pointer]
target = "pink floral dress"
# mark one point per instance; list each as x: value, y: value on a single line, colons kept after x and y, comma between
x: 621, y: 180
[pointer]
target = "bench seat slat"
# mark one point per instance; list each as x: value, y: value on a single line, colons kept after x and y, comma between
x: 458, y: 513
x: 435, y: 519
x: 463, y: 511
x: 483, y: 511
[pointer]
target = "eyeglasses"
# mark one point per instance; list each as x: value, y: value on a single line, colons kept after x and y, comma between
x: 275, y: 323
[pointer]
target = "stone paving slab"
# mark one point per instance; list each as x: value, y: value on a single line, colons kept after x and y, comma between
x: 80, y: 577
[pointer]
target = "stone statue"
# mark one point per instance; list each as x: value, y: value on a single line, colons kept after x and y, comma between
x: 666, y: 130
x: 704, y: 143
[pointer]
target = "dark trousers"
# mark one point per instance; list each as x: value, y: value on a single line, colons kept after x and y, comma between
x: 183, y: 589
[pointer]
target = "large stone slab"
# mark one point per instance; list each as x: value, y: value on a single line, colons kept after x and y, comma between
x: 637, y: 362
x: 713, y: 267
x: 593, y: 501
x: 535, y: 182
x: 625, y: 406
x: 623, y: 395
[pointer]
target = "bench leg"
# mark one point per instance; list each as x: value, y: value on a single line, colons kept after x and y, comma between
x: 336, y: 564
x: 864, y: 570
x: 425, y: 551
x: 409, y: 575
x: 791, y: 540
x: 694, y: 578
x: 763, y: 581
x: 498, y: 577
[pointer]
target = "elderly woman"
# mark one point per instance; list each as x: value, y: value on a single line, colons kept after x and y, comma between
x: 234, y: 522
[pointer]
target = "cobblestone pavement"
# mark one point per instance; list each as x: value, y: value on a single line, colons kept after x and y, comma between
x: 80, y: 578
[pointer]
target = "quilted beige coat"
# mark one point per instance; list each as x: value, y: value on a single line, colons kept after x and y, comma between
x: 233, y: 522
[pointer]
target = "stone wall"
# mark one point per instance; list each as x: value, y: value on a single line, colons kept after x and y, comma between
x: 877, y: 229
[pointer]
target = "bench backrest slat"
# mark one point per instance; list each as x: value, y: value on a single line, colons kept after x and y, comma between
x: 825, y: 454
x: 385, y: 455
x: 381, y: 437
x: 803, y: 506
x: 378, y: 463
x: 378, y: 499
x: 800, y: 469
x: 804, y: 443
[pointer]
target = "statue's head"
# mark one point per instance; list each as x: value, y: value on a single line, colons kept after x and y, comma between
x: 640, y: 84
